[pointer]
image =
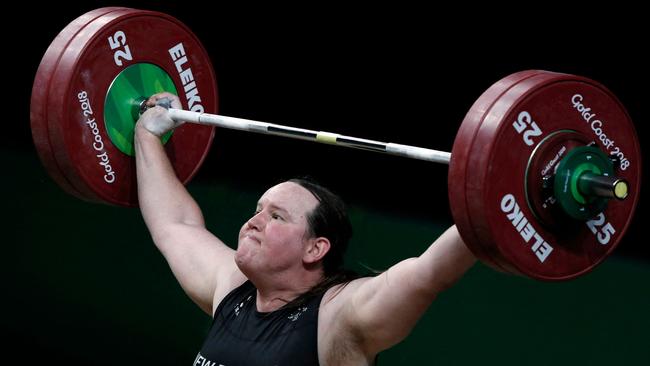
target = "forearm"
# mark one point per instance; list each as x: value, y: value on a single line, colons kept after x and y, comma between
x: 162, y: 197
x: 407, y: 288
x: 445, y: 261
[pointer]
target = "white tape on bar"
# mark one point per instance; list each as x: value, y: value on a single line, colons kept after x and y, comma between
x: 216, y: 120
x: 419, y: 153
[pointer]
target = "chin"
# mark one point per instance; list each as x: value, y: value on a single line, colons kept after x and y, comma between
x: 242, y: 262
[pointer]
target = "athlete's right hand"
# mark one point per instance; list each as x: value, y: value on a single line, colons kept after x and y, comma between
x: 156, y: 119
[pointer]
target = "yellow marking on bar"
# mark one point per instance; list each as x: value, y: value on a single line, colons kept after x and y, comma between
x: 326, y: 137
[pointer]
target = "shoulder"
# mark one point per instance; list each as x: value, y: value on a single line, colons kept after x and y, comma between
x: 339, y: 293
x: 338, y: 342
x: 233, y: 292
x: 336, y: 302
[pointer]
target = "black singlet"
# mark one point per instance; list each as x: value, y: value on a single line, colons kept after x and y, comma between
x: 242, y: 336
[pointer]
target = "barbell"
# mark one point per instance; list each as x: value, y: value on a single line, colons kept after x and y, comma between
x: 544, y: 173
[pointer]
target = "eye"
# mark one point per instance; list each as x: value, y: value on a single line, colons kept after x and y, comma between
x: 275, y: 216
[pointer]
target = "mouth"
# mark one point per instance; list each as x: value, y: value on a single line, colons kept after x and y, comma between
x: 252, y: 237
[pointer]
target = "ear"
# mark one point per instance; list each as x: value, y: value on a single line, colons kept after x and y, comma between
x: 316, y: 249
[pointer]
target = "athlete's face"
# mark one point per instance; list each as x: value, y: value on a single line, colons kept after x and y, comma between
x: 275, y: 238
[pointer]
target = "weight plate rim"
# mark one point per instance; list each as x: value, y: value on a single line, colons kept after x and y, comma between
x: 457, y: 176
x: 477, y: 172
x: 56, y: 101
x: 40, y: 94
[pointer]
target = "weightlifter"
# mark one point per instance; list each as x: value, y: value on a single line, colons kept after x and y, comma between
x: 282, y: 297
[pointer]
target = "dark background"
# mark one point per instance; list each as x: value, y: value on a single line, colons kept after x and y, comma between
x: 80, y: 291
x: 392, y: 73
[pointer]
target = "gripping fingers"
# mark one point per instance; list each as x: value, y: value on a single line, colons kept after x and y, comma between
x: 156, y: 99
x: 157, y: 121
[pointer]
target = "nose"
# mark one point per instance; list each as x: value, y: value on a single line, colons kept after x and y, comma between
x: 256, y: 222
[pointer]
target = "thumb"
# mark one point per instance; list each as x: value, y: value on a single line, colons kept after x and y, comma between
x: 157, y: 121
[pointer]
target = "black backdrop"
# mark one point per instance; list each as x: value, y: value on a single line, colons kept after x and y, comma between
x: 392, y: 73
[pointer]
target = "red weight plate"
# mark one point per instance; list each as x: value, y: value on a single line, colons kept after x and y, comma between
x: 518, y: 122
x: 86, y: 70
x: 459, y: 157
x: 38, y: 105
